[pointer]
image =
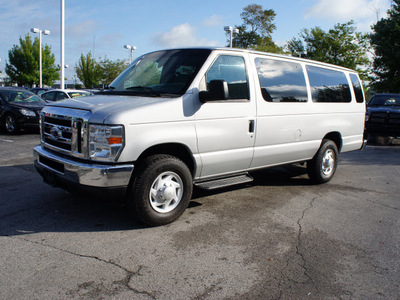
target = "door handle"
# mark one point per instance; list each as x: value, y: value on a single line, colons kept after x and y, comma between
x: 251, y: 126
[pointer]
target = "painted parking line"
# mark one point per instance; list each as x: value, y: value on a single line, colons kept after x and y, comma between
x: 8, y: 141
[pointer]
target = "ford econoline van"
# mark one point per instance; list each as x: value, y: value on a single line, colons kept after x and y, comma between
x: 205, y: 117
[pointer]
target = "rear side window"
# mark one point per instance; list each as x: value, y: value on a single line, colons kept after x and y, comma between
x: 328, y: 85
x: 357, y: 88
x: 281, y: 81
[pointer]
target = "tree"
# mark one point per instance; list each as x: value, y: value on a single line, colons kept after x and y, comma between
x: 109, y: 70
x: 23, y: 66
x: 385, y: 41
x: 341, y: 46
x: 256, y: 30
x: 88, y: 71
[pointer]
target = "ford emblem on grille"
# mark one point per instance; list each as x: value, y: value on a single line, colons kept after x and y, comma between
x: 56, y: 133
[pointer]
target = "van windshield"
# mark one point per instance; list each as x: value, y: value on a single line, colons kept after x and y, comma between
x: 159, y: 73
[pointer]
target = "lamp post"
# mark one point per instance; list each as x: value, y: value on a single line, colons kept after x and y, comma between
x: 131, y: 48
x: 45, y: 32
x: 230, y: 30
x: 62, y: 43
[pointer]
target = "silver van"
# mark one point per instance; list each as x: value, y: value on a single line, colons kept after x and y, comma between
x: 201, y: 116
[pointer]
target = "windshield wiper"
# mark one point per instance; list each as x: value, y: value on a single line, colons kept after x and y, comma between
x: 144, y: 89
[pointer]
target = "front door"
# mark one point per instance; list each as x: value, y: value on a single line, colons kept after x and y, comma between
x: 225, y: 128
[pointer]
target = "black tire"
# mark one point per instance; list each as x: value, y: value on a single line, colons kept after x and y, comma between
x: 161, y: 190
x: 10, y: 124
x: 323, y: 166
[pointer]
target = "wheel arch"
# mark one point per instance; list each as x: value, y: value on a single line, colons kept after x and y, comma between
x: 336, y: 137
x: 174, y: 149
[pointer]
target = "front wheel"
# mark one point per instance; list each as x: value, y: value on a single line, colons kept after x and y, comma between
x: 161, y: 190
x: 10, y: 124
x: 323, y: 166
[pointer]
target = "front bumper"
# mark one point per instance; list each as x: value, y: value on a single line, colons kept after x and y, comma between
x: 56, y: 170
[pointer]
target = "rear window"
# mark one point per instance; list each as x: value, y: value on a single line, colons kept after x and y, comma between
x: 328, y: 85
x: 281, y: 81
x: 357, y: 88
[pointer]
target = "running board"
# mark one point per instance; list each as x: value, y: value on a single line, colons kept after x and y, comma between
x: 224, y: 182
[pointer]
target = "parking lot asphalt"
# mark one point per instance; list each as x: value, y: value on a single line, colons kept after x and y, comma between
x: 279, y: 237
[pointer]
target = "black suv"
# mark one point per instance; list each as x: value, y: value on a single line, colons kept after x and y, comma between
x: 383, y: 115
x: 19, y: 108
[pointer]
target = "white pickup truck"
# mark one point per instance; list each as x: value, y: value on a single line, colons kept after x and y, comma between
x: 202, y: 116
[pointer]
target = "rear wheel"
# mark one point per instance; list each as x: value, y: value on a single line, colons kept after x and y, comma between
x: 323, y: 166
x: 161, y: 190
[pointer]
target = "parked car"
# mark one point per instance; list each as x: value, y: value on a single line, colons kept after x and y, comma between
x: 19, y: 108
x: 40, y: 90
x: 56, y: 95
x: 383, y: 116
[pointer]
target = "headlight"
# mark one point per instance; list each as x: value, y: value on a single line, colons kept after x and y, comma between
x: 27, y: 112
x: 366, y: 117
x: 105, y: 142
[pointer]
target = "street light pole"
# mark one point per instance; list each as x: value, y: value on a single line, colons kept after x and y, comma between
x: 131, y: 48
x: 231, y: 30
x: 45, y: 32
x: 62, y: 45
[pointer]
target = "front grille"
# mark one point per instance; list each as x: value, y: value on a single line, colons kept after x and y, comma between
x: 394, y: 119
x: 58, y: 132
x: 378, y: 117
x: 65, y: 130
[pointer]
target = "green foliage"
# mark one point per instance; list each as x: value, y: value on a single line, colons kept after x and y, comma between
x: 109, y: 70
x: 385, y: 40
x: 256, y: 30
x: 341, y: 46
x: 23, y: 66
x: 88, y: 71
x: 93, y: 73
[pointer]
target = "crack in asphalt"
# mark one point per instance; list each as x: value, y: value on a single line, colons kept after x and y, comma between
x: 299, y: 240
x: 124, y: 282
x: 208, y: 291
x: 298, y: 253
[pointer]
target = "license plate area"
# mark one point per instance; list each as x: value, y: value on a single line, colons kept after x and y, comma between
x: 56, y: 166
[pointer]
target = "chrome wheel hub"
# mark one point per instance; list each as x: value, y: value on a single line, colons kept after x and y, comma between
x: 10, y: 126
x: 166, y: 192
x: 328, y: 162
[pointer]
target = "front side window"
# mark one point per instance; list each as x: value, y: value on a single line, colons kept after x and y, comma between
x: 231, y: 69
x: 163, y: 72
x: 328, y: 85
x: 281, y: 81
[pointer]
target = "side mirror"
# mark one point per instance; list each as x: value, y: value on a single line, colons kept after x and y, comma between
x: 217, y: 90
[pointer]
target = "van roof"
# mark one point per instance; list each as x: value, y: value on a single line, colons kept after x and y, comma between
x: 271, y: 55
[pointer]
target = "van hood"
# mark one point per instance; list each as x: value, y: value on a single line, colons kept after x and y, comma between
x: 101, y: 106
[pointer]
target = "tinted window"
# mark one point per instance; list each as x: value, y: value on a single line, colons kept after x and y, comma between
x: 15, y: 96
x: 385, y: 100
x: 357, y: 88
x: 281, y: 81
x: 61, y: 96
x: 328, y: 85
x: 48, y: 96
x: 232, y: 69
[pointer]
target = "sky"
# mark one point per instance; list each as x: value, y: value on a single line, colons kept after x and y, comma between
x: 103, y: 27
